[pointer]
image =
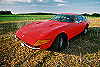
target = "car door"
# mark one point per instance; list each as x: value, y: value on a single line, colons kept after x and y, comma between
x: 70, y: 28
x: 79, y: 24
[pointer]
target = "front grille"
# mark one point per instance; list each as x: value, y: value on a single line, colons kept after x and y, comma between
x: 26, y: 43
x: 37, y: 46
x: 30, y: 46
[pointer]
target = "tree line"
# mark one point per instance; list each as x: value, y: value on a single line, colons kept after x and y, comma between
x: 5, y: 12
x: 85, y: 14
x: 92, y: 15
x: 40, y: 13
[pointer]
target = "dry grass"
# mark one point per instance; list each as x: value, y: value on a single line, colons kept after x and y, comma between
x: 95, y: 22
x: 83, y: 51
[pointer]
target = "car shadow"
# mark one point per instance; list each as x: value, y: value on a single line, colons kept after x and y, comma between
x: 83, y: 44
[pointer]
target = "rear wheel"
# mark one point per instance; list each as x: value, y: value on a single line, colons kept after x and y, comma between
x: 85, y: 30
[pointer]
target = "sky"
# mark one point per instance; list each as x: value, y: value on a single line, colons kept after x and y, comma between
x: 51, y: 6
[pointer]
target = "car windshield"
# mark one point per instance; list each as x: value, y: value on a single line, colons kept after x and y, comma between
x: 64, y: 18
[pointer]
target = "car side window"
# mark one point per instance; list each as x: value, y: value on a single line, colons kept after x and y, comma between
x: 84, y: 18
x: 79, y: 19
x: 68, y: 18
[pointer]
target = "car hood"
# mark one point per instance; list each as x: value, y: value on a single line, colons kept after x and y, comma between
x: 38, y: 29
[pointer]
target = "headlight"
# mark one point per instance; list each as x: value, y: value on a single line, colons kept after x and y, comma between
x: 41, y: 42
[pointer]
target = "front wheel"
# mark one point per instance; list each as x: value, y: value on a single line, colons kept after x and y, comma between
x: 58, y: 43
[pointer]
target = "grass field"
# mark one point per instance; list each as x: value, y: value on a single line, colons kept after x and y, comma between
x: 84, y: 50
x: 9, y: 18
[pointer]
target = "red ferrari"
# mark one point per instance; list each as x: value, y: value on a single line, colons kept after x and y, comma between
x: 54, y: 32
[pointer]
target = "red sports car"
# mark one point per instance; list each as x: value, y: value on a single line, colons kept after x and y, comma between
x: 54, y: 32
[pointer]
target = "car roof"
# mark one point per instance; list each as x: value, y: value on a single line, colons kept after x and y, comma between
x: 69, y: 13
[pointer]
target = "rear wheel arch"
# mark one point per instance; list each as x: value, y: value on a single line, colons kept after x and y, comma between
x: 87, y: 24
x: 85, y: 29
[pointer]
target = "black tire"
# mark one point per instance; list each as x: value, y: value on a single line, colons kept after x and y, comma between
x: 58, y: 43
x: 85, y: 30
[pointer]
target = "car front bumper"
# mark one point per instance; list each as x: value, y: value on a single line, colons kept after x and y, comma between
x: 25, y: 44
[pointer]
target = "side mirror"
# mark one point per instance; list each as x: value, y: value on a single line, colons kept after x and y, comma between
x: 80, y: 21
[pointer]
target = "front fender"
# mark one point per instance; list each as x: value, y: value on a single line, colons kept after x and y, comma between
x: 51, y: 35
